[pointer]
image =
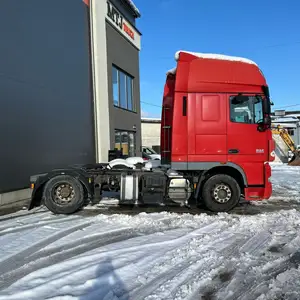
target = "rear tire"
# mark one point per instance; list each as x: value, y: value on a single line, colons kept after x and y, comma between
x: 221, y: 193
x: 64, y: 194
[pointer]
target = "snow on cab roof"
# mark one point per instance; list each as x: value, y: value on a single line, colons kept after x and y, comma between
x: 215, y: 56
x: 211, y: 56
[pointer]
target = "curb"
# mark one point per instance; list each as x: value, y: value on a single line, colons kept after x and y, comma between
x: 12, y: 198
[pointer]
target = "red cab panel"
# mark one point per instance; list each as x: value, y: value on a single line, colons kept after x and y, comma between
x: 206, y: 127
x: 179, y: 136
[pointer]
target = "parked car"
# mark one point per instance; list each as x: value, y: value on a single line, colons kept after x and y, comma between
x: 148, y: 151
x: 145, y: 156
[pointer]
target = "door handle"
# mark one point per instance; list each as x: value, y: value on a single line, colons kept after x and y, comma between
x: 233, y: 151
x: 184, y: 105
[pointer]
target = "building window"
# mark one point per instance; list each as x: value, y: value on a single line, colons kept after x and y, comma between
x: 115, y: 86
x: 291, y: 131
x: 122, y: 89
x: 125, y: 140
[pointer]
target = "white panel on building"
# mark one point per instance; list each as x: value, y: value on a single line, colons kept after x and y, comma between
x: 151, y: 132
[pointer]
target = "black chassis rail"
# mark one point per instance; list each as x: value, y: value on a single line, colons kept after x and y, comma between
x: 89, y: 176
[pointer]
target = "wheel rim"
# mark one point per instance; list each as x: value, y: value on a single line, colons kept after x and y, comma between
x: 63, y: 193
x: 221, y: 193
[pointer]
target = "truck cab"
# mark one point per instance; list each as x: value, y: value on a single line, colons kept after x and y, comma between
x: 216, y: 121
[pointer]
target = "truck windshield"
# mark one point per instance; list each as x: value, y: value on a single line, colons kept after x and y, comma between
x: 249, y: 111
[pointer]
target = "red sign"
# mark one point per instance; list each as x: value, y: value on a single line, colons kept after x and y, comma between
x: 128, y: 31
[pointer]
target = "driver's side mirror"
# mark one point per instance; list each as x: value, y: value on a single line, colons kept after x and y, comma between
x: 261, y: 127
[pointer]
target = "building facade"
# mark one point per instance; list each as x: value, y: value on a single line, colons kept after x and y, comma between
x: 69, y: 85
x: 116, y: 76
x: 151, y: 133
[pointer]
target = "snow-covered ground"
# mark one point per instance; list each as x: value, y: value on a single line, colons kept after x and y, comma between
x: 250, y: 253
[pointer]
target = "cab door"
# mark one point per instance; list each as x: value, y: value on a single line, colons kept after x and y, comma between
x: 246, y: 145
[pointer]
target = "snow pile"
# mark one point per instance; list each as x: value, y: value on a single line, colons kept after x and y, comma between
x: 285, y: 181
x: 158, y: 255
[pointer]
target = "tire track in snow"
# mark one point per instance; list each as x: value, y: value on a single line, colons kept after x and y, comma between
x: 22, y: 221
x: 100, y: 238
x: 99, y: 283
x: 16, y: 260
x: 89, y: 271
x: 152, y: 260
x: 258, y: 274
x: 22, y: 227
x: 255, y: 244
x: 24, y: 213
x: 140, y: 231
x: 169, y: 291
x: 139, y: 259
x: 178, y: 277
x: 63, y: 252
x: 41, y: 260
x: 145, y: 290
x: 230, y: 244
x: 11, y: 219
x: 177, y: 270
x: 213, y: 263
x: 196, y: 232
x: 120, y: 237
x: 55, y: 239
x: 208, y: 283
x: 283, y: 264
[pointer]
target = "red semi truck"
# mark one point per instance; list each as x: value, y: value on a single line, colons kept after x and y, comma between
x: 216, y: 143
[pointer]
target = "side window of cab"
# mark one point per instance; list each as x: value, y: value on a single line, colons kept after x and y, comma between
x: 249, y: 111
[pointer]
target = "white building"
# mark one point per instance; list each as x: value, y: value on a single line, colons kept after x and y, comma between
x: 151, y: 133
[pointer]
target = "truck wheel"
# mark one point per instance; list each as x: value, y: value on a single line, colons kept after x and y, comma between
x: 64, y: 194
x: 221, y: 193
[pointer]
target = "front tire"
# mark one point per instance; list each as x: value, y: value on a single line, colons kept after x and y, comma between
x: 221, y: 193
x: 64, y: 194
